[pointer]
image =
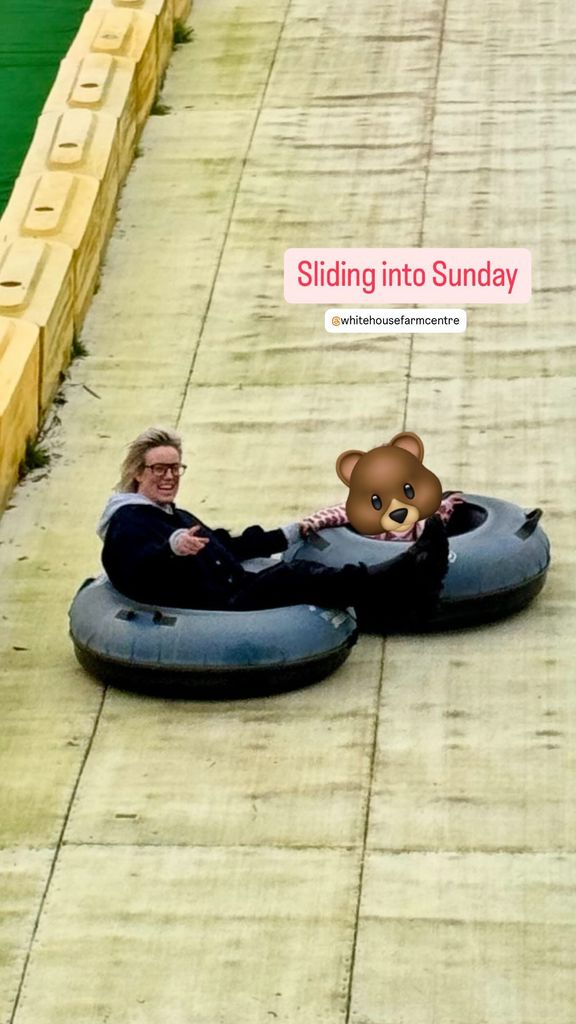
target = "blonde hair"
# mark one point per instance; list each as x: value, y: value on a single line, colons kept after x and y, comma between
x: 153, y: 437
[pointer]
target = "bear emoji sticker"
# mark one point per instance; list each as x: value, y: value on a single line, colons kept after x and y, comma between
x: 390, y: 488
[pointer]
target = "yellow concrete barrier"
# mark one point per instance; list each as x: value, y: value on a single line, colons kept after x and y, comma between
x: 83, y: 143
x: 19, y: 377
x: 182, y: 9
x: 61, y: 207
x: 101, y: 84
x: 163, y: 11
x: 123, y: 33
x: 36, y: 286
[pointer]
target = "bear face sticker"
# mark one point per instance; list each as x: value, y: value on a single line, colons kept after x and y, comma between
x: 390, y: 488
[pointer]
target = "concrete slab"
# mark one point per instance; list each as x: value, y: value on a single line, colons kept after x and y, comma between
x: 135, y: 360
x: 48, y: 707
x: 202, y: 152
x: 228, y: 63
x: 387, y: 54
x: 23, y: 877
x: 525, y: 59
x: 505, y: 437
x: 43, y: 749
x: 194, y: 937
x: 472, y: 938
x: 477, y: 759
x: 293, y: 771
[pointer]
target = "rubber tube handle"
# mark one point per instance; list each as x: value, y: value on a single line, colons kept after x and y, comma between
x: 161, y: 619
x: 529, y: 524
x: 158, y: 618
x: 317, y: 541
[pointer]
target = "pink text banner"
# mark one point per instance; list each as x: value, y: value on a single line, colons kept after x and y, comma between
x: 440, y: 276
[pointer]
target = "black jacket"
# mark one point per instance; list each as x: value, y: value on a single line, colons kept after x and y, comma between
x: 141, y: 564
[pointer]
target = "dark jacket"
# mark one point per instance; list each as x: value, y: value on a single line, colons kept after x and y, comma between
x: 141, y: 564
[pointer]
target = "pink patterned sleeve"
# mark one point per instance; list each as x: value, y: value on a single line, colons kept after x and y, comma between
x: 335, y: 515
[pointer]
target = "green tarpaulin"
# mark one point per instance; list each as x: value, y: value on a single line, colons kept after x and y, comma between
x: 34, y: 37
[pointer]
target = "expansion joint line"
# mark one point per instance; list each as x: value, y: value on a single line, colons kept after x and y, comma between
x: 433, y: 108
x: 360, y: 884
x: 232, y: 211
x: 57, y: 851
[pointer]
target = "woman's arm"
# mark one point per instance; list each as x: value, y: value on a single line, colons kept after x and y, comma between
x: 137, y: 545
x: 254, y: 542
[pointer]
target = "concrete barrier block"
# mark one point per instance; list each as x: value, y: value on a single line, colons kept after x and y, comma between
x: 61, y: 207
x: 19, y: 382
x: 80, y: 142
x: 37, y: 286
x: 182, y: 9
x: 163, y: 11
x: 127, y: 34
x: 104, y: 85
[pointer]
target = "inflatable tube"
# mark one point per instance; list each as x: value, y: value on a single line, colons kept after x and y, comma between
x: 205, y: 655
x: 498, y: 560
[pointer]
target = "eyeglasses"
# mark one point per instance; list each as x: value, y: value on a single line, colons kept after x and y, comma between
x: 161, y: 469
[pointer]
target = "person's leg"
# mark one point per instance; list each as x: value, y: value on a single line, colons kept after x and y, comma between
x: 417, y: 584
x: 404, y: 590
x: 302, y: 582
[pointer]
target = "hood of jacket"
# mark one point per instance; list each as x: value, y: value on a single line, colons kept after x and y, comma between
x: 118, y: 500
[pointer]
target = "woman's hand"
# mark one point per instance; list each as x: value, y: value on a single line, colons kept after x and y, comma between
x: 307, y: 526
x: 334, y: 515
x: 187, y: 543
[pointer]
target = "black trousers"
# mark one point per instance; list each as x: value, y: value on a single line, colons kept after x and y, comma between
x: 301, y: 582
